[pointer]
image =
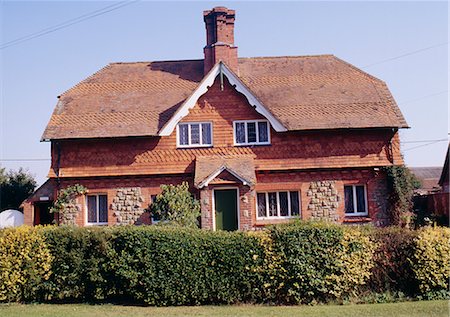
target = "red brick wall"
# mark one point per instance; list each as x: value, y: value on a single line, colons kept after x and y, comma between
x: 374, y: 180
x: 289, y: 150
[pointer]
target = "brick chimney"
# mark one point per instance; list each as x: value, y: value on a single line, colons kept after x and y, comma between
x: 219, y: 38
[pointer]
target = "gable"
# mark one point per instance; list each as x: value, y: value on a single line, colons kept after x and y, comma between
x: 221, y: 70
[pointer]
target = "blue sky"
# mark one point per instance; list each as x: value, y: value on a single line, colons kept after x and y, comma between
x: 382, y: 38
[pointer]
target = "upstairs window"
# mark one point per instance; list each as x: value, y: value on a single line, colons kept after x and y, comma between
x: 355, y: 200
x: 283, y: 204
x: 97, y: 206
x: 251, y: 132
x: 195, y: 134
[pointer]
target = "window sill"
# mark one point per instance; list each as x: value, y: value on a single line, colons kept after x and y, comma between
x: 357, y: 219
x: 184, y: 147
x: 265, y: 222
x: 96, y: 224
x: 252, y: 144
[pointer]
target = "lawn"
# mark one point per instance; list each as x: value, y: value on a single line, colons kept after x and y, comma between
x: 405, y: 309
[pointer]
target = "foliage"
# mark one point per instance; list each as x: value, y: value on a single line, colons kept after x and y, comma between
x: 176, y: 206
x: 292, y: 263
x: 322, y: 261
x: 401, y: 185
x: 15, y: 187
x: 66, y: 196
x: 25, y: 263
x: 355, y: 263
x: 392, y: 271
x: 174, y: 266
x: 431, y: 260
x: 80, y: 263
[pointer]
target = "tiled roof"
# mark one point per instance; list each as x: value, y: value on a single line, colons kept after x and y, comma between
x: 304, y: 93
x: 241, y: 166
x: 428, y: 176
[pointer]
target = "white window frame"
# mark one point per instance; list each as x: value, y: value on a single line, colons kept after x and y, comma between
x: 289, y: 216
x: 97, y: 223
x: 190, y: 145
x: 246, y: 132
x: 355, y: 201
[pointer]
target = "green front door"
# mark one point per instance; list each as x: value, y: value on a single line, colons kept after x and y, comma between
x: 225, y: 202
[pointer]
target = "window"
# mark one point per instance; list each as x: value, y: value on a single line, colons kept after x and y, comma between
x: 194, y: 134
x: 251, y: 132
x: 155, y: 218
x: 283, y: 204
x: 355, y: 200
x: 97, y: 207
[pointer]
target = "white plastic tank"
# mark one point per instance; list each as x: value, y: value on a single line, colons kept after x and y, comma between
x: 11, y: 218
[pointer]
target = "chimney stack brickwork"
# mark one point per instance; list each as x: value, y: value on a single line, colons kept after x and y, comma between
x: 219, y: 24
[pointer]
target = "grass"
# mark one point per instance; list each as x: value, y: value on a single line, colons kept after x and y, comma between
x: 404, y: 309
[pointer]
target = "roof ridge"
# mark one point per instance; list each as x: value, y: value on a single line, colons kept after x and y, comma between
x: 289, y: 56
x: 165, y: 61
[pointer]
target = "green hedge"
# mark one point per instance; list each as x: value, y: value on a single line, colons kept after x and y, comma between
x: 295, y: 263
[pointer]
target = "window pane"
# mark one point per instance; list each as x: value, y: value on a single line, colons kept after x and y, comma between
x: 360, y: 199
x: 103, y: 208
x: 195, y: 134
x: 295, y: 204
x: 183, y: 131
x: 283, y: 204
x: 240, y: 132
x: 262, y: 132
x: 272, y: 204
x: 92, y: 208
x: 206, y: 133
x: 261, y: 204
x: 348, y: 192
x: 251, y: 132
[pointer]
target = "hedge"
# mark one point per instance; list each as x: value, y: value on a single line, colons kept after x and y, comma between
x: 303, y: 262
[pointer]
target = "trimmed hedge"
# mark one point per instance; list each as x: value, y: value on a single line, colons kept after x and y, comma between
x: 302, y: 262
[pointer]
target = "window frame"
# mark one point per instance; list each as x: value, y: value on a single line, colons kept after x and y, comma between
x: 246, y: 122
x: 190, y: 145
x: 97, y: 207
x: 356, y: 213
x: 266, y: 196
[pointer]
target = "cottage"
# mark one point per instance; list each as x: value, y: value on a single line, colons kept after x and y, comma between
x: 259, y: 140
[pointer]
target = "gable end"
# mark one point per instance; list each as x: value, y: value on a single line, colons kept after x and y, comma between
x: 220, y: 69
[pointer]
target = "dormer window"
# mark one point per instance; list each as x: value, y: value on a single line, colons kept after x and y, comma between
x: 252, y: 132
x: 194, y: 134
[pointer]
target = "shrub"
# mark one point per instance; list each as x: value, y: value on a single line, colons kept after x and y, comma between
x: 392, y: 271
x: 431, y: 259
x: 176, y: 206
x: 80, y: 263
x: 172, y: 266
x: 25, y: 262
x: 322, y: 261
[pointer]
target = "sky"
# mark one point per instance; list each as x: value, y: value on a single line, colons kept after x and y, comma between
x: 403, y: 43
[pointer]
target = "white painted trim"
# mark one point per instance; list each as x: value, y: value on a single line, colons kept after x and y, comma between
x: 203, y: 87
x: 189, y: 134
x: 86, y: 221
x: 214, y: 205
x: 277, y: 192
x: 355, y: 201
x: 246, y: 143
x: 206, y: 181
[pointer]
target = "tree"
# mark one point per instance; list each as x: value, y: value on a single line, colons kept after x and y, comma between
x: 15, y: 187
x: 176, y: 206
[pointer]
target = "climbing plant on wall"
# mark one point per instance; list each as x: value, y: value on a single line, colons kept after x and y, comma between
x: 65, y: 203
x: 401, y: 185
